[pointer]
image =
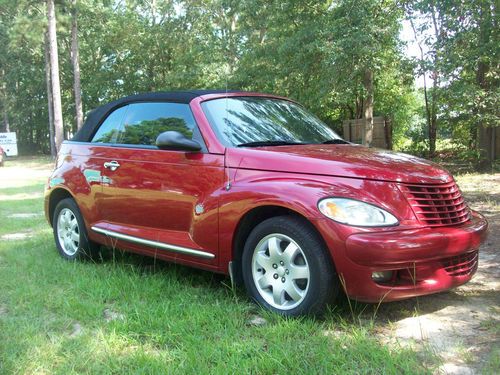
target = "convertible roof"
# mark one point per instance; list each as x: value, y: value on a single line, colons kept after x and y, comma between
x: 96, y: 116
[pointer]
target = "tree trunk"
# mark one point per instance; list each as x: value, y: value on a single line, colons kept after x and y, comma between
x: 3, y: 98
x: 485, y: 148
x: 75, y: 60
x: 485, y: 132
x: 368, y: 108
x: 388, y: 132
x: 433, y: 123
x: 54, y: 75
x: 428, y: 110
x: 6, y: 124
x: 49, y: 98
x: 359, y: 106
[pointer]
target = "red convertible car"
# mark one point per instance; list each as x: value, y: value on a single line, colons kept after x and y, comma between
x: 254, y: 186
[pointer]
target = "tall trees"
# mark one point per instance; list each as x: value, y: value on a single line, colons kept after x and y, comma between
x: 487, y: 78
x: 463, y: 43
x: 22, y: 25
x: 4, y: 62
x: 50, y: 104
x: 75, y: 60
x: 54, y: 74
x: 364, y: 42
x: 341, y: 58
x: 427, y: 24
x: 292, y: 48
x: 3, y: 102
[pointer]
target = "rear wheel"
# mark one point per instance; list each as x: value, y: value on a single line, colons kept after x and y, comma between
x: 69, y: 232
x: 287, y: 269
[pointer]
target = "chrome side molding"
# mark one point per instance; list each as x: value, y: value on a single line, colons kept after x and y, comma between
x: 160, y: 245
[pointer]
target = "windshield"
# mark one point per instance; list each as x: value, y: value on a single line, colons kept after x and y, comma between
x: 258, y: 121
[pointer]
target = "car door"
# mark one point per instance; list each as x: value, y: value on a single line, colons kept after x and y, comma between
x: 161, y: 201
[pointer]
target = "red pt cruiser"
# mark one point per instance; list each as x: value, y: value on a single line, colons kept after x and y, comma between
x: 254, y: 186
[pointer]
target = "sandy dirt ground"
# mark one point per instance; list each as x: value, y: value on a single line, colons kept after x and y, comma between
x: 460, y: 327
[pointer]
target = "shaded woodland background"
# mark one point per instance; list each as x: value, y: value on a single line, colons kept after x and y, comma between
x: 343, y: 59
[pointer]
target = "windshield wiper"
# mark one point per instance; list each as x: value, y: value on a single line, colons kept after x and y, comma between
x: 334, y: 142
x: 269, y: 143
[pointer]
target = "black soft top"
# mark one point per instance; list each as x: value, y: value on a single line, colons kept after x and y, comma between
x: 97, y: 115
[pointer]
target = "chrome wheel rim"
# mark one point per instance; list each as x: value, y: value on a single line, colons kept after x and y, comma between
x: 68, y: 232
x: 280, y: 271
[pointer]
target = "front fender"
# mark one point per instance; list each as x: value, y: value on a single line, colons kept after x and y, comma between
x: 299, y: 193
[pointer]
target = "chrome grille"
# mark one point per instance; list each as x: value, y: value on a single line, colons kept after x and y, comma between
x: 437, y: 205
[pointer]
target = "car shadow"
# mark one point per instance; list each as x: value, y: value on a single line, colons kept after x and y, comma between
x: 146, y: 265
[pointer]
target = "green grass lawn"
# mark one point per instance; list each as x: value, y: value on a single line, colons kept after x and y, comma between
x: 129, y: 314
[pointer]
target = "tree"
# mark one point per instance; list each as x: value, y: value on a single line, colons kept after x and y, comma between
x: 463, y: 59
x: 75, y: 60
x: 50, y: 103
x: 341, y: 59
x: 3, y: 102
x: 364, y: 40
x: 430, y: 31
x: 4, y: 61
x: 54, y: 74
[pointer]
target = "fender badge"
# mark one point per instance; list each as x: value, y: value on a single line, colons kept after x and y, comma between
x: 199, y: 209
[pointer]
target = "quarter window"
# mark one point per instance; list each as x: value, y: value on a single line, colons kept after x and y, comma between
x: 109, y: 129
x: 145, y: 121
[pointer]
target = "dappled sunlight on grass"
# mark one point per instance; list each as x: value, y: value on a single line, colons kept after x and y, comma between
x: 480, y: 185
x: 20, y: 196
x: 20, y: 173
x: 171, y: 318
x: 126, y: 313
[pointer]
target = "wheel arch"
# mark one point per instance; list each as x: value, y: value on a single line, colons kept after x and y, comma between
x: 249, y: 221
x: 57, y: 195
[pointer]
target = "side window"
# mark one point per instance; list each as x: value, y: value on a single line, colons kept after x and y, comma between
x: 108, y: 131
x: 145, y: 121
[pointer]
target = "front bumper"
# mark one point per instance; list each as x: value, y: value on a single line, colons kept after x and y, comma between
x: 422, y: 261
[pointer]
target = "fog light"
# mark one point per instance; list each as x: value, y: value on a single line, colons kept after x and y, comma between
x: 381, y: 276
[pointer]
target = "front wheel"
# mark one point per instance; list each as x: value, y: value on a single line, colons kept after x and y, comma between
x: 287, y: 268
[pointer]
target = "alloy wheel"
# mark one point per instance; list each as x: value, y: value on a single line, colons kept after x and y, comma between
x: 68, y: 232
x: 280, y: 271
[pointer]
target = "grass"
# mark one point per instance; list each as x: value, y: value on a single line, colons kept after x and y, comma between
x: 129, y: 314
x: 493, y: 363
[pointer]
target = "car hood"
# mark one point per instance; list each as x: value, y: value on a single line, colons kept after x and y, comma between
x: 339, y: 160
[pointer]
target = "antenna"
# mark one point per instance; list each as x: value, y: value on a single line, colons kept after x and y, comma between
x: 226, y: 77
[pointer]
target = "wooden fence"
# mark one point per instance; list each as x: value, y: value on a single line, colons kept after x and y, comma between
x: 382, y: 132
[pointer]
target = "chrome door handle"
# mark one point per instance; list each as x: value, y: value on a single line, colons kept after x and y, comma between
x: 112, y: 165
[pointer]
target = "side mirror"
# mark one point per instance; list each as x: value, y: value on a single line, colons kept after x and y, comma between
x: 175, y: 141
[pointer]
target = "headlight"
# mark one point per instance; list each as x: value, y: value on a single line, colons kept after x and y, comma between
x: 354, y: 212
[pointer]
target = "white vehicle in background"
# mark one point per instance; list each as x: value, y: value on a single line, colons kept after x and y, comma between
x: 8, y: 142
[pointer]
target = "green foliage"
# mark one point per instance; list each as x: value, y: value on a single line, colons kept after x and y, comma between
x: 293, y: 49
x: 464, y: 56
x: 363, y: 36
x: 146, y: 132
x: 313, y: 51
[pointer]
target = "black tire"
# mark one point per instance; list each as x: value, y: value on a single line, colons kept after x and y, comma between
x: 322, y: 285
x: 79, y: 246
